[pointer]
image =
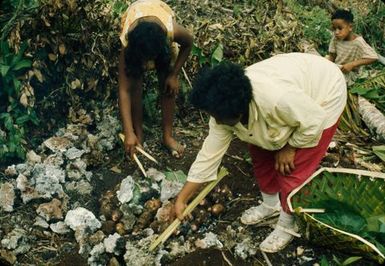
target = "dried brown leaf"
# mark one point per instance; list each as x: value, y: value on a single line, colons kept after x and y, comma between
x: 62, y: 49
x: 52, y: 57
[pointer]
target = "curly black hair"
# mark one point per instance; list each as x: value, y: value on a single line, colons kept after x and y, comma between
x: 147, y: 41
x: 343, y: 14
x: 223, y: 91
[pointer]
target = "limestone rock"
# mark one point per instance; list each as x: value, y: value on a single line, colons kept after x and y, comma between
x: 114, y: 244
x: 56, y: 144
x: 51, y: 210
x: 7, y: 197
x: 41, y: 222
x: 17, y: 241
x: 33, y: 158
x: 126, y: 190
x: 11, y: 171
x: 59, y: 228
x: 210, y: 240
x: 81, y: 218
x: 74, y: 153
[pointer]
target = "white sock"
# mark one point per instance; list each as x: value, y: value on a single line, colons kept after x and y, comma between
x: 286, y: 219
x: 270, y: 199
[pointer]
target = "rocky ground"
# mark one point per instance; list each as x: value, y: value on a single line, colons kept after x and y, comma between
x: 78, y: 201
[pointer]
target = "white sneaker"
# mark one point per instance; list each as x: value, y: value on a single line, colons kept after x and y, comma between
x: 259, y: 213
x: 279, y: 238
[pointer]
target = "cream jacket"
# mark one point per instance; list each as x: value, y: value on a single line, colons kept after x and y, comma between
x: 295, y: 97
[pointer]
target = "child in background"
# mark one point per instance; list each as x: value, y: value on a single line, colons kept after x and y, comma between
x: 151, y: 39
x: 347, y: 49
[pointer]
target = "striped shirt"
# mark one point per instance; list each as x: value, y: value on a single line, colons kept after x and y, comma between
x: 155, y: 9
x: 349, y: 51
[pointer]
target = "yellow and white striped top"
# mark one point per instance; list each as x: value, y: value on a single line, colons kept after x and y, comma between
x: 349, y: 51
x: 140, y: 9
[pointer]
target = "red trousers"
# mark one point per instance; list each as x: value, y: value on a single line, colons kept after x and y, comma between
x: 306, y: 162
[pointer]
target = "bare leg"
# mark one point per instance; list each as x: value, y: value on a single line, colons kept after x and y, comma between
x: 137, y: 108
x: 168, y: 110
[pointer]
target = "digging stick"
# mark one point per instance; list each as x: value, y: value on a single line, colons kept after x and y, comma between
x: 172, y: 227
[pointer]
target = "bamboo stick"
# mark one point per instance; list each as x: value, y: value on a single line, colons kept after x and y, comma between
x: 140, y: 165
x: 146, y: 154
x: 172, y: 227
x: 121, y: 136
x: 311, y: 210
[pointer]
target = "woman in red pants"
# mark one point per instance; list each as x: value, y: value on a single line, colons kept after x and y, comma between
x: 287, y: 108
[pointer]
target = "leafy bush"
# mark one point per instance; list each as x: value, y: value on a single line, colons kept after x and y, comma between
x: 315, y: 22
x: 372, y: 25
x: 15, y: 113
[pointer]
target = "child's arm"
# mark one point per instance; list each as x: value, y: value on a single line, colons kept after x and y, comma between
x: 360, y: 62
x: 130, y: 140
x: 185, y: 40
x: 368, y: 56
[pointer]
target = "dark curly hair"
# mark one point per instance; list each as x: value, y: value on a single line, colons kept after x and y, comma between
x: 147, y: 41
x: 343, y: 14
x: 223, y: 91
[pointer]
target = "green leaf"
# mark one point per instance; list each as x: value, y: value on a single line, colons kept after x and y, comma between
x: 372, y: 94
x: 341, y: 216
x: 336, y: 260
x: 324, y: 261
x: 178, y: 176
x: 8, y: 122
x: 4, y: 70
x: 350, y: 260
x: 196, y: 51
x: 217, y: 55
x: 4, y: 48
x: 22, y: 119
x: 16, y: 86
x: 379, y: 151
x: 22, y: 64
x: 20, y: 54
x: 360, y: 90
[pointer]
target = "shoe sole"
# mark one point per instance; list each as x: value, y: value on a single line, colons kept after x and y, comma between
x: 282, y: 248
x: 263, y: 219
x: 296, y: 229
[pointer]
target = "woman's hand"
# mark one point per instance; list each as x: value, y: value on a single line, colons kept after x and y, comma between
x: 284, y: 160
x: 172, y: 84
x: 180, y: 206
x: 130, y: 142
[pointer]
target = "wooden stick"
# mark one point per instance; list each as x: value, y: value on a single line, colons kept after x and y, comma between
x: 146, y: 154
x: 140, y: 165
x: 121, y: 136
x: 311, y: 210
x: 172, y: 227
x: 266, y: 258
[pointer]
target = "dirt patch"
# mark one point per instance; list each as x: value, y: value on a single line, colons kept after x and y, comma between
x: 53, y: 249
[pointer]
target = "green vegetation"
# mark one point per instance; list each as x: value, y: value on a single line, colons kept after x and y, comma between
x: 315, y: 23
x: 338, y: 262
x: 15, y: 112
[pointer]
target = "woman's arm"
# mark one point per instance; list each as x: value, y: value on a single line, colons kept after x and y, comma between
x: 183, y: 37
x: 205, y: 166
x: 125, y: 84
x: 185, y: 40
x: 188, y: 190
